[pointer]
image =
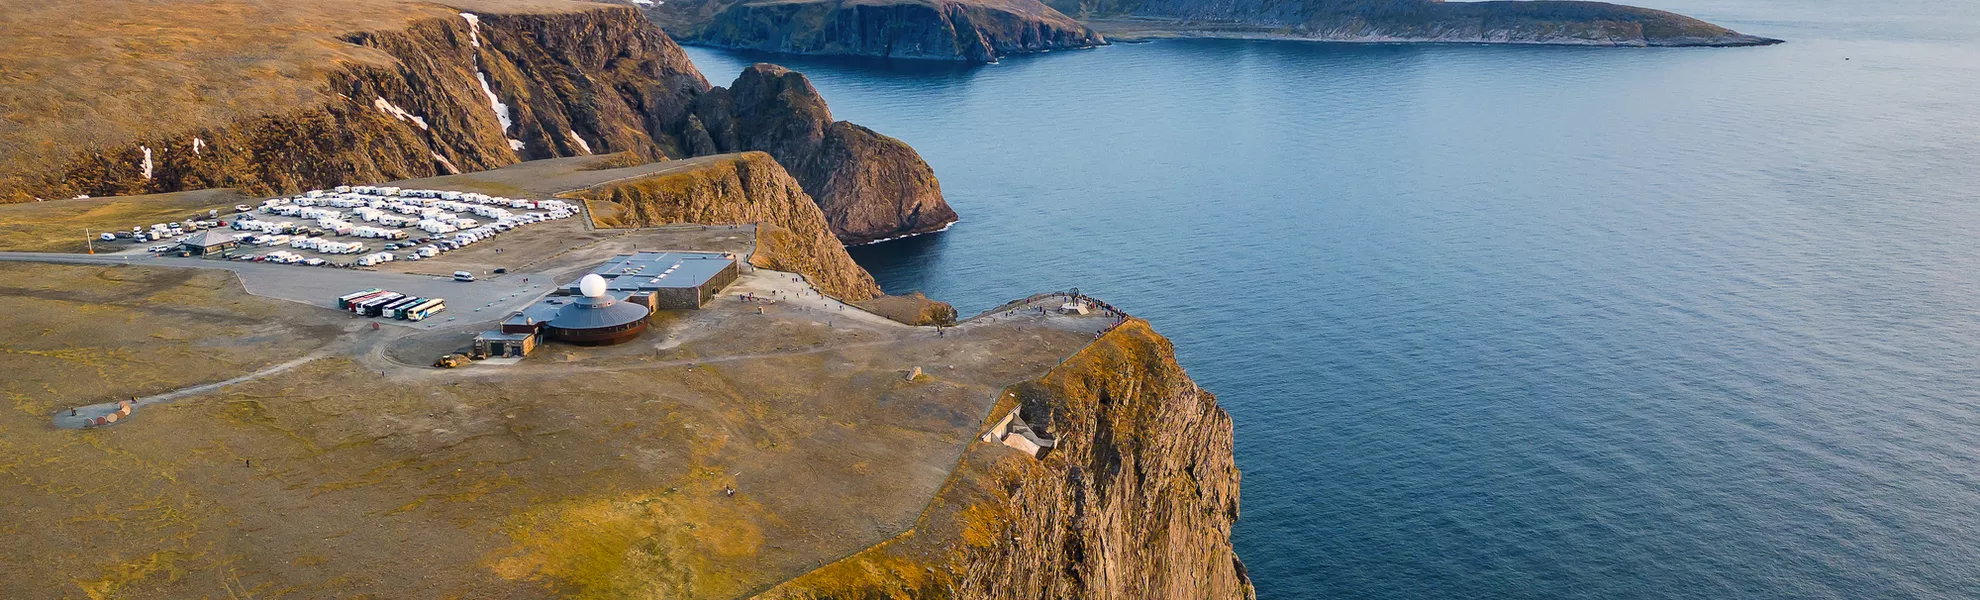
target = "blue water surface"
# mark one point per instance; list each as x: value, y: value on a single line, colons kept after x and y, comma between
x: 1515, y: 322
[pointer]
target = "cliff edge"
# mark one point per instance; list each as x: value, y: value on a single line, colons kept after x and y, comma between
x: 1136, y: 500
x: 964, y: 30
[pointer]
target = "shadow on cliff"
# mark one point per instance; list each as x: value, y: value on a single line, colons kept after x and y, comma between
x: 904, y: 69
x: 902, y: 265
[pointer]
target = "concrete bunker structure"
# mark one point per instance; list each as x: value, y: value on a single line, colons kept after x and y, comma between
x: 1014, y: 432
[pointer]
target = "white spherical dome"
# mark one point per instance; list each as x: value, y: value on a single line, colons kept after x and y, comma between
x: 592, y: 286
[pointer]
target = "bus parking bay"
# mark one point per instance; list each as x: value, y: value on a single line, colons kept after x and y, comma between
x: 480, y: 301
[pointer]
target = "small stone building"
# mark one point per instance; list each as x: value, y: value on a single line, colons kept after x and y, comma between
x: 502, y: 344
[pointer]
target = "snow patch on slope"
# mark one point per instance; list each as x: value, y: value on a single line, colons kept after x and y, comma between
x: 451, y: 169
x: 387, y: 107
x: 495, y: 102
x: 474, y: 28
x: 580, y: 141
x: 146, y: 165
x: 197, y: 145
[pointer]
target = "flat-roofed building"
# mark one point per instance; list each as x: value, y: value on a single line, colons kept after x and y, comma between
x: 502, y: 344
x: 667, y: 280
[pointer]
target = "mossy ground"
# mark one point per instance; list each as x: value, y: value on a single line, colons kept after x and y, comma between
x: 590, y: 473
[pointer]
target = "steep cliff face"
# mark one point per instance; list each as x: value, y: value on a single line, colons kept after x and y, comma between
x: 1512, y: 22
x: 1136, y: 501
x: 843, y: 166
x: 470, y: 91
x: 968, y: 30
x: 737, y: 189
x: 556, y: 84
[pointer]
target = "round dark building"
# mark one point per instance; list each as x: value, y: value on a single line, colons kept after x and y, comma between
x: 596, y: 319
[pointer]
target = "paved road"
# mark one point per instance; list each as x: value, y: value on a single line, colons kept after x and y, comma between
x: 470, y: 302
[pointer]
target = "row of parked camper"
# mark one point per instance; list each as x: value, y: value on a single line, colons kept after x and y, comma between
x: 284, y: 257
x: 375, y: 302
x: 165, y: 231
x: 430, y: 211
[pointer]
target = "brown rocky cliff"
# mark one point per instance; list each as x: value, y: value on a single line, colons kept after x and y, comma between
x: 870, y: 186
x: 737, y: 189
x: 603, y: 75
x: 597, y: 79
x: 965, y: 30
x: 1136, y: 501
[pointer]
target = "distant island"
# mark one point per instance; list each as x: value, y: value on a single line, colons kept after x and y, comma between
x: 1498, y: 22
x: 986, y: 30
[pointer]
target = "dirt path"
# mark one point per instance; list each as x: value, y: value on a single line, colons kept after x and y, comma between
x: 85, y: 414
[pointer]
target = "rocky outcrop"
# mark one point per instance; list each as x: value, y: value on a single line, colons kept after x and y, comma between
x: 1503, y: 22
x: 912, y: 308
x: 476, y: 91
x: 870, y: 186
x: 966, y: 30
x: 747, y: 188
x: 1136, y: 500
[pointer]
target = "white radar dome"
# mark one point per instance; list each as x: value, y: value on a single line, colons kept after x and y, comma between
x: 592, y: 286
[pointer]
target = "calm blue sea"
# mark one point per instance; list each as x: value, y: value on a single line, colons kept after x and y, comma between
x: 1516, y: 322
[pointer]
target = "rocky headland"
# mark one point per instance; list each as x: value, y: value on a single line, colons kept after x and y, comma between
x: 413, y: 90
x: 964, y: 30
x: 1493, y: 22
x: 1136, y: 500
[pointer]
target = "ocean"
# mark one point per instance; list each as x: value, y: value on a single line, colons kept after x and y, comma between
x: 1514, y: 322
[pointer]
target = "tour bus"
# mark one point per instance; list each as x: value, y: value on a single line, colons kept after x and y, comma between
x: 375, y: 307
x: 402, y: 310
x: 425, y: 309
x: 344, y: 301
x: 353, y: 304
x: 357, y: 306
x: 391, y: 310
x: 397, y: 310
